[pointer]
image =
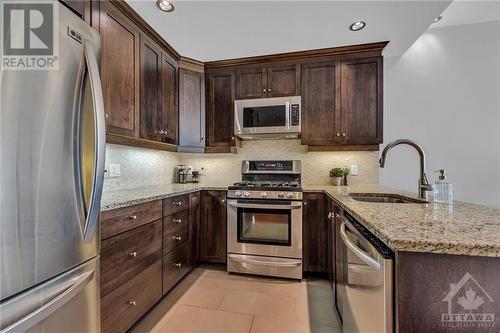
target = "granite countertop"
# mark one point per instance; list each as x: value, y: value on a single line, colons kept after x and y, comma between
x: 461, y: 228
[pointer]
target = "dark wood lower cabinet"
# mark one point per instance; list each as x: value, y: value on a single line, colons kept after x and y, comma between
x: 194, y: 226
x: 314, y: 233
x: 213, y: 227
x: 122, y: 307
x: 175, y: 265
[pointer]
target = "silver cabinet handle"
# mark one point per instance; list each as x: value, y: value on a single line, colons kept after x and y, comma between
x: 133, y: 254
x: 223, y: 200
x: 365, y: 257
x: 338, y: 134
x: 337, y: 215
x: 177, y: 220
x: 269, y: 90
x: 132, y: 303
x: 305, y: 203
x: 40, y: 314
x: 177, y: 238
x: 178, y: 265
x: 264, y: 90
x: 178, y: 203
x: 132, y: 217
x: 343, y: 134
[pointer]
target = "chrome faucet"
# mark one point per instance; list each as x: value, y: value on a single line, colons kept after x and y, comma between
x: 423, y: 183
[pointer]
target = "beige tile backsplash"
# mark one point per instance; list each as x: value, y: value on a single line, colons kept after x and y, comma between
x: 144, y: 167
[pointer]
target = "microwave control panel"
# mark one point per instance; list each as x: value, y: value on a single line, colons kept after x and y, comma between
x: 295, y: 115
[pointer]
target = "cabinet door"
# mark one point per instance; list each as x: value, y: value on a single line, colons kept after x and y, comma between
x: 330, y: 243
x: 213, y: 226
x: 119, y: 70
x: 283, y: 80
x: 251, y: 82
x: 150, y: 89
x: 169, y: 116
x: 314, y: 232
x: 362, y: 101
x: 220, y: 109
x: 320, y: 103
x: 80, y: 7
x: 340, y: 254
x: 194, y: 225
x: 191, y: 108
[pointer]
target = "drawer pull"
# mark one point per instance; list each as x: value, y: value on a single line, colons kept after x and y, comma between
x: 133, y: 254
x: 132, y: 217
x: 178, y: 265
x: 178, y: 203
x: 178, y: 238
x: 177, y: 220
x: 132, y: 303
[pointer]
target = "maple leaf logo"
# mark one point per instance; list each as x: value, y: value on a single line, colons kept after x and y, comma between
x: 470, y: 301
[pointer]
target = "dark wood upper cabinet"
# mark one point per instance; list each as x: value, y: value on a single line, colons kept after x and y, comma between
x: 213, y: 227
x: 321, y: 103
x: 220, y: 108
x: 283, y: 80
x: 169, y: 115
x: 272, y: 80
x: 314, y: 233
x: 361, y: 114
x: 150, y: 83
x: 191, y: 109
x: 119, y: 70
x: 251, y: 82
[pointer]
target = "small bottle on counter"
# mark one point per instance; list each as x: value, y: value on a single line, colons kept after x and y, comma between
x: 443, y: 189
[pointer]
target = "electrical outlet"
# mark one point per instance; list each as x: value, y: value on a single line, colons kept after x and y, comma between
x: 114, y: 170
x: 354, y: 169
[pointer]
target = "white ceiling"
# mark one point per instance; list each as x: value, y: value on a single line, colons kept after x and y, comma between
x: 469, y: 12
x: 216, y: 30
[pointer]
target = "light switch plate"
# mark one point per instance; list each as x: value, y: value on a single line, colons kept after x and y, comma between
x: 354, y: 169
x: 114, y: 170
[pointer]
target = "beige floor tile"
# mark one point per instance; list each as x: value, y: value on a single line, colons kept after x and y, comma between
x: 257, y: 303
x: 188, y: 319
x: 270, y: 325
x: 203, y: 297
x: 315, y: 311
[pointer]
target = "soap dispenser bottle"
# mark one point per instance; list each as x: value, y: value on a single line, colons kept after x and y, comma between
x: 443, y: 190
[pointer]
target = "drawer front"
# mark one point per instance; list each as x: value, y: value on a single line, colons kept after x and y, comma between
x: 175, y: 239
x: 121, y: 308
x: 175, y: 222
x: 127, y: 254
x: 122, y: 219
x: 175, y: 265
x: 175, y: 204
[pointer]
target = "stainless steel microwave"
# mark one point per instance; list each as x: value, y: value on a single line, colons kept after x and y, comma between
x: 277, y: 117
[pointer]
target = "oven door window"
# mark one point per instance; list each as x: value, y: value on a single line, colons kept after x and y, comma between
x: 264, y: 226
x: 264, y: 116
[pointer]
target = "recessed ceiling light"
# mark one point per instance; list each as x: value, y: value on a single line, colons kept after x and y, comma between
x: 165, y: 5
x: 358, y: 25
x: 438, y: 18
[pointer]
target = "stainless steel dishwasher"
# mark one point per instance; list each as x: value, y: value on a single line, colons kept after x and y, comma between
x: 368, y: 280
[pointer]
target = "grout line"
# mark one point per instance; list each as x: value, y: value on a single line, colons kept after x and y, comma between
x: 251, y: 325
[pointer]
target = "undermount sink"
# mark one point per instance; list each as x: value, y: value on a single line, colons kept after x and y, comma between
x: 384, y: 198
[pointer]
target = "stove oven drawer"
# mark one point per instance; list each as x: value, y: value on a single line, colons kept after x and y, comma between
x: 268, y: 266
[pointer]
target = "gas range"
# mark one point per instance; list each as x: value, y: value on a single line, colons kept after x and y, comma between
x: 264, y: 220
x: 268, y: 180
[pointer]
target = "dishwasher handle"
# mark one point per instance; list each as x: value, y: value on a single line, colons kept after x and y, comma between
x: 365, y: 257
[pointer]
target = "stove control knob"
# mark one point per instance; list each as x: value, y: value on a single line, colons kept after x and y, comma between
x: 290, y: 196
x: 263, y: 194
x: 246, y: 194
x: 281, y: 195
x: 237, y: 194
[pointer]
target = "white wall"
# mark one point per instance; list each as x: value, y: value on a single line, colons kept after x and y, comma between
x: 444, y: 93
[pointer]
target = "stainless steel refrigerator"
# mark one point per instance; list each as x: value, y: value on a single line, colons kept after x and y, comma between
x: 52, y: 145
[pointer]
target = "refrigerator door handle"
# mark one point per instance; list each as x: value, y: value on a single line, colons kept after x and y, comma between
x: 33, y: 318
x: 99, y: 142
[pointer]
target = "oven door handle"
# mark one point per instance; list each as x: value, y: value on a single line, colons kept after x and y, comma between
x: 266, y: 263
x: 265, y: 206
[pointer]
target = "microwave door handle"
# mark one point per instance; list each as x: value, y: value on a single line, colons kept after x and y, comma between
x: 287, y: 110
x: 263, y: 206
